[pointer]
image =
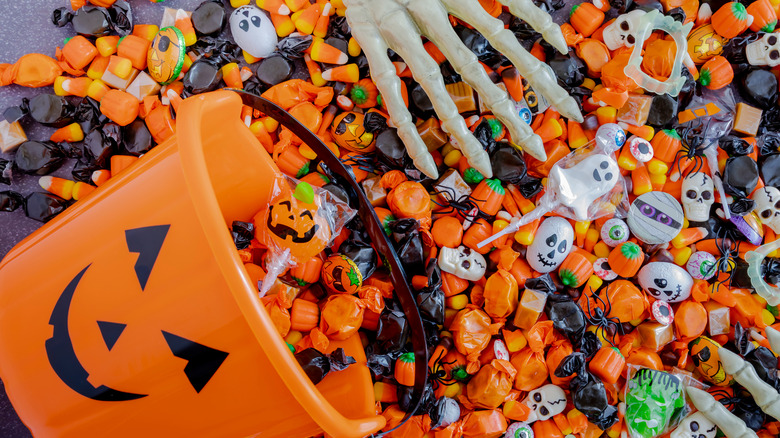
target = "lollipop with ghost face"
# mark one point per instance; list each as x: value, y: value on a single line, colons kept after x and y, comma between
x: 584, y: 185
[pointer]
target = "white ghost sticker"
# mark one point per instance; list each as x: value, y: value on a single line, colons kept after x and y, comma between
x: 580, y: 185
x: 552, y: 243
x: 253, y: 31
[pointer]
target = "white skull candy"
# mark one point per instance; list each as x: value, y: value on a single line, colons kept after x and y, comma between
x: 665, y: 281
x: 552, y: 243
x: 545, y: 402
x: 695, y: 426
x: 621, y: 33
x: 462, y: 262
x: 698, y: 194
x: 253, y: 31
x: 765, y: 51
x: 768, y: 207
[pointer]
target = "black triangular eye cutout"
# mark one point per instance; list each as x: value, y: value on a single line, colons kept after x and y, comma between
x: 111, y: 331
x: 202, y: 361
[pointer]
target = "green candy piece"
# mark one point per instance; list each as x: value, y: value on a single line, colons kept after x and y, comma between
x: 472, y: 176
x: 304, y: 193
x: 654, y: 400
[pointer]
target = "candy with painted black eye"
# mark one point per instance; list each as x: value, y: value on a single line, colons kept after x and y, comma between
x: 701, y: 265
x: 551, y: 245
x: 655, y: 218
x: 665, y: 281
x: 662, y: 312
x: 614, y: 232
x: 602, y: 270
x: 253, y: 31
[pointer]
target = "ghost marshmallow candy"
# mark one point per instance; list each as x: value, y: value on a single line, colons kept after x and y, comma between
x: 767, y: 201
x: 665, y: 281
x: 698, y: 194
x: 552, y: 243
x: 614, y: 232
x: 545, y: 403
x: 655, y: 218
x: 582, y: 184
x: 462, y: 262
x: 695, y: 425
x: 253, y: 31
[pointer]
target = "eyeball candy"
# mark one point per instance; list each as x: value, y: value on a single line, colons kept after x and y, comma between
x: 519, y: 430
x: 614, y: 232
x: 253, y: 31
x: 701, y: 265
x: 552, y: 243
x: 602, y: 270
x: 655, y: 218
x: 662, y: 312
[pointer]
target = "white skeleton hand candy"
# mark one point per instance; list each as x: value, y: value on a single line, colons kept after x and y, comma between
x: 579, y: 183
x: 397, y: 24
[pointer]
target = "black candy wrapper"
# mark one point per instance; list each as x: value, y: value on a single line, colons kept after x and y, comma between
x: 587, y: 391
x: 243, y: 233
x: 317, y: 365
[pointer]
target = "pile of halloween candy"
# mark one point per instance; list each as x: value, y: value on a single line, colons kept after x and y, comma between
x: 593, y: 293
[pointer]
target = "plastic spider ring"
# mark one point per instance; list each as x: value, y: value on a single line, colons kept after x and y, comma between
x: 640, y: 148
x: 602, y: 270
x: 651, y: 21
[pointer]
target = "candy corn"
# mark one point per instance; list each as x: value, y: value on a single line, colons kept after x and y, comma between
x: 58, y: 186
x: 321, y: 51
x: 345, y: 73
x: 70, y: 133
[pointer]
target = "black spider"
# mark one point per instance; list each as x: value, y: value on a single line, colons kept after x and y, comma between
x: 466, y: 205
x: 439, y: 375
x: 609, y: 325
x: 694, y: 143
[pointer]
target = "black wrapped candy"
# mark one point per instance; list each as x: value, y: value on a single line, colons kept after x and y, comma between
x: 203, y: 76
x: 44, y: 206
x: 740, y: 176
x: 39, y: 157
x: 10, y: 201
x: 209, y: 18
x: 243, y: 233
x: 317, y: 365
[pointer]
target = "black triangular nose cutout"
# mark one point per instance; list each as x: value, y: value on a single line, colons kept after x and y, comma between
x: 202, y: 361
x: 111, y: 332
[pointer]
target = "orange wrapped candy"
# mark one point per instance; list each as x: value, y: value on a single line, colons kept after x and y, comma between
x: 342, y: 314
x: 559, y: 350
x: 659, y: 58
x: 292, y: 92
x: 531, y: 359
x: 31, y: 70
x: 409, y: 199
x: 471, y: 330
x: 501, y: 294
x: 616, y: 83
x: 621, y: 299
x: 491, y: 385
x: 484, y: 424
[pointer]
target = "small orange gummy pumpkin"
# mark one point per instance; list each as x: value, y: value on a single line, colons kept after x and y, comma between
x: 730, y: 20
x: 488, y: 196
x: 575, y: 269
x: 666, y: 143
x: 404, y: 369
x: 626, y: 259
x: 716, y: 73
x: 764, y: 16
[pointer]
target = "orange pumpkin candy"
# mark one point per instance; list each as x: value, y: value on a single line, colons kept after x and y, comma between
x: 348, y: 131
x: 704, y: 43
x: 165, y: 58
x: 626, y: 259
x: 341, y: 275
x: 730, y: 20
x: 716, y: 73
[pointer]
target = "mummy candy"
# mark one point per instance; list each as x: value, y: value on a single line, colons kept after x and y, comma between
x: 551, y: 245
x: 545, y: 402
x: 462, y: 262
x: 665, y: 281
x: 253, y: 31
x: 655, y: 218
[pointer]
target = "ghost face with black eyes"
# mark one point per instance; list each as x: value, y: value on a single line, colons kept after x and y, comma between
x: 580, y: 185
x: 551, y: 245
x: 665, y: 281
x: 253, y: 31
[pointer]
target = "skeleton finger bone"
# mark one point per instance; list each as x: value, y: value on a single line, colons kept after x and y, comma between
x: 774, y: 339
x: 729, y: 424
x: 365, y: 31
x: 401, y: 34
x: 765, y: 395
x: 527, y: 11
x: 432, y: 19
x: 536, y: 72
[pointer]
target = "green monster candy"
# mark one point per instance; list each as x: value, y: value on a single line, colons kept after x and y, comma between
x: 654, y: 400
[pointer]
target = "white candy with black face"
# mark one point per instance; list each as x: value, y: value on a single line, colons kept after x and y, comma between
x: 614, y: 232
x: 695, y: 425
x: 622, y: 32
x: 665, y: 281
x: 551, y: 245
x: 545, y: 402
x: 768, y: 207
x: 253, y: 31
x: 462, y: 262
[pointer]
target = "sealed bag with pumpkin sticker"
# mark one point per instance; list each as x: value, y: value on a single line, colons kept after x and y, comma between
x: 299, y: 222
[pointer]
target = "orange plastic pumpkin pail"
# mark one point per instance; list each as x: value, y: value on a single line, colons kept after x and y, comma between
x: 130, y: 314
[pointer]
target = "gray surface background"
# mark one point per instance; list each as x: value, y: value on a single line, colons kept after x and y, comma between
x: 25, y: 27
